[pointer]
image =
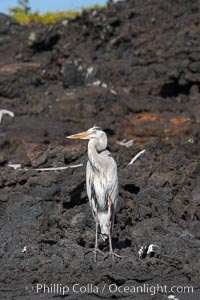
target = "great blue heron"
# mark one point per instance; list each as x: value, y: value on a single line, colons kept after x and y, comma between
x: 102, y: 184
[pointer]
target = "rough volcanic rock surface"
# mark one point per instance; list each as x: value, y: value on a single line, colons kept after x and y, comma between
x: 134, y: 70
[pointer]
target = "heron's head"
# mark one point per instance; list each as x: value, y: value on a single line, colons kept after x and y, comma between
x: 92, y: 133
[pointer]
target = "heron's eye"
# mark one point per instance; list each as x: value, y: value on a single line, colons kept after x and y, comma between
x: 94, y: 131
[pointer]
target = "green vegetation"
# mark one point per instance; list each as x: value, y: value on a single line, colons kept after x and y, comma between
x: 94, y: 7
x: 46, y: 18
x: 22, y: 14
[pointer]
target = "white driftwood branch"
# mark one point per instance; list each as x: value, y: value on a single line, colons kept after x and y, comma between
x: 5, y: 112
x: 136, y: 157
x: 18, y: 166
x: 125, y: 143
x: 15, y: 166
x: 58, y: 168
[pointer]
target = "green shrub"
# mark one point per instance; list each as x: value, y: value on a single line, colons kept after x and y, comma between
x: 94, y: 7
x: 23, y: 15
x: 46, y: 18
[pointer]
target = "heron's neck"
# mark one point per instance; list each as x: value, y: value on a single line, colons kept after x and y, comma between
x: 94, y: 148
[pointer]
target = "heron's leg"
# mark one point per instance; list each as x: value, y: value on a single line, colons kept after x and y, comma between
x: 109, y: 231
x: 109, y: 226
x: 96, y: 239
x: 96, y: 249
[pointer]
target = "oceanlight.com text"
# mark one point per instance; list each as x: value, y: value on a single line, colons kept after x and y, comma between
x: 76, y: 288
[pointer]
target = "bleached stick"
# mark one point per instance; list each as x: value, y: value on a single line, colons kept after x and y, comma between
x: 125, y: 143
x: 5, y: 112
x: 18, y: 167
x: 15, y: 166
x: 135, y: 157
x: 59, y: 168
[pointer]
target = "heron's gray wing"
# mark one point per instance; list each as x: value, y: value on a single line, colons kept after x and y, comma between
x: 88, y: 179
x: 112, y: 181
x: 90, y: 188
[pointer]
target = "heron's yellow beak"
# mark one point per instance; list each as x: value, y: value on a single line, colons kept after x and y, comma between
x: 81, y: 135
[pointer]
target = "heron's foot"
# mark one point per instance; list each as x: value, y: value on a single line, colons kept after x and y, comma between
x: 113, y: 254
x: 95, y: 251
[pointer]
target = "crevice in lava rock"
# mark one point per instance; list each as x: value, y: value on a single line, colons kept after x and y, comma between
x: 49, y: 242
x: 123, y: 244
x: 173, y: 89
x: 77, y: 197
x: 131, y: 188
x: 47, y: 43
x: 81, y: 242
